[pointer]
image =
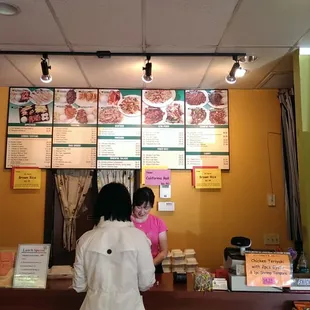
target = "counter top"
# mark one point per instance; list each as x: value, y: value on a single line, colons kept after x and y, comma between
x: 165, y: 295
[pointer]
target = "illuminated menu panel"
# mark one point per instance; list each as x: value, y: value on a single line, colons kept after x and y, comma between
x: 119, y: 129
x: 163, y: 136
x: 29, y: 128
x: 75, y: 129
x: 207, y: 128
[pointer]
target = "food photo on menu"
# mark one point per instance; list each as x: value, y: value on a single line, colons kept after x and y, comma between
x: 75, y: 106
x: 119, y: 106
x: 31, y: 106
x: 163, y: 107
x: 206, y: 107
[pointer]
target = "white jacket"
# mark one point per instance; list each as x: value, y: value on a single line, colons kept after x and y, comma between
x: 113, y: 264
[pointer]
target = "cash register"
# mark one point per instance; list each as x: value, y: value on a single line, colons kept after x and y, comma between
x: 234, y: 262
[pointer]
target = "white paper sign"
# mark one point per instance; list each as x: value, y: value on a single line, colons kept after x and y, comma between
x: 31, y: 266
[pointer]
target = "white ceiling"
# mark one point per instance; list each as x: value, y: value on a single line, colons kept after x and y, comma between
x: 269, y: 29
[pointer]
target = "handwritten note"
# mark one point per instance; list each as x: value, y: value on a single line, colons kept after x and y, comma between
x: 268, y: 269
x: 157, y: 177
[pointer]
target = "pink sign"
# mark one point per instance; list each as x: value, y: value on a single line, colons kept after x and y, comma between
x: 157, y: 177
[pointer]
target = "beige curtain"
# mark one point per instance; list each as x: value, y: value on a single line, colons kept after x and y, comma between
x: 126, y: 177
x: 72, y: 187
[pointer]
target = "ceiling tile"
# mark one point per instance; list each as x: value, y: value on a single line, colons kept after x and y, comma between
x: 268, y: 23
x: 180, y: 49
x: 33, y: 25
x: 120, y: 72
x: 115, y: 49
x: 186, y: 22
x: 106, y: 23
x: 34, y: 47
x: 9, y: 76
x: 65, y: 71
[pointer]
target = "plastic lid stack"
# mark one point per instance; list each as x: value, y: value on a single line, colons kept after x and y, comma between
x: 178, y: 261
x: 190, y: 259
x: 167, y: 263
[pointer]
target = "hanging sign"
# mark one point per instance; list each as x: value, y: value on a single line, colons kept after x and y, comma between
x: 26, y: 178
x: 157, y: 177
x: 207, y: 178
x: 31, y: 266
x: 268, y: 269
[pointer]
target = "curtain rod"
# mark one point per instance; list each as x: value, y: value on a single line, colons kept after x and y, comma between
x: 108, y: 54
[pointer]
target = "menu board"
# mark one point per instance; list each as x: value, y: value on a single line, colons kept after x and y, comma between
x: 119, y: 129
x: 75, y: 128
x: 29, y: 127
x: 163, y: 135
x: 207, y: 128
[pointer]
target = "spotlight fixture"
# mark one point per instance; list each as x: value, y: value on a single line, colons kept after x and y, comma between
x: 147, y: 71
x: 250, y: 58
x: 240, y: 72
x: 45, y: 66
x: 231, y: 77
x: 7, y: 9
x: 236, y: 72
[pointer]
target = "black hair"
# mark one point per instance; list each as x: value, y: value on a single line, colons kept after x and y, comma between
x: 113, y: 203
x: 143, y: 195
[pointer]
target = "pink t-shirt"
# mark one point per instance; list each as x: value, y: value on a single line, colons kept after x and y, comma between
x: 152, y: 227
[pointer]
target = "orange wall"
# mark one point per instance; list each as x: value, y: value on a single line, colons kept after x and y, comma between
x: 21, y: 212
x: 207, y: 220
x: 204, y: 220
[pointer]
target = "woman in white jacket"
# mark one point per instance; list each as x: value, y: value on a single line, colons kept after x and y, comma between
x: 113, y: 261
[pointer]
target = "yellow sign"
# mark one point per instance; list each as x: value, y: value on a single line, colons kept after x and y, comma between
x: 150, y: 168
x: 207, y: 178
x: 268, y: 269
x: 26, y: 178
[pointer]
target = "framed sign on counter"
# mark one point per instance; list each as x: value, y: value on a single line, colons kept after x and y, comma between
x: 31, y: 266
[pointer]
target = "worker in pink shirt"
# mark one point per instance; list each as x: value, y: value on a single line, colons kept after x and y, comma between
x: 151, y: 225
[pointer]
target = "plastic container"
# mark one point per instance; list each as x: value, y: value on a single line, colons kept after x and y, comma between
x: 191, y: 265
x: 166, y: 262
x: 189, y: 253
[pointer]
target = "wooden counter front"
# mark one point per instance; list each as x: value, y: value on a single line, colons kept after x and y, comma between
x: 163, y: 296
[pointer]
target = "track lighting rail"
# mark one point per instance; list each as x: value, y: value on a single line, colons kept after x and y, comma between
x: 108, y: 54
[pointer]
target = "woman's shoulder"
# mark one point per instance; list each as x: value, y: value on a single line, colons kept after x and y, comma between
x: 84, y: 239
x: 157, y: 220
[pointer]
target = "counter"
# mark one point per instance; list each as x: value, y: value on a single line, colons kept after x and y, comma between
x: 163, y: 296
